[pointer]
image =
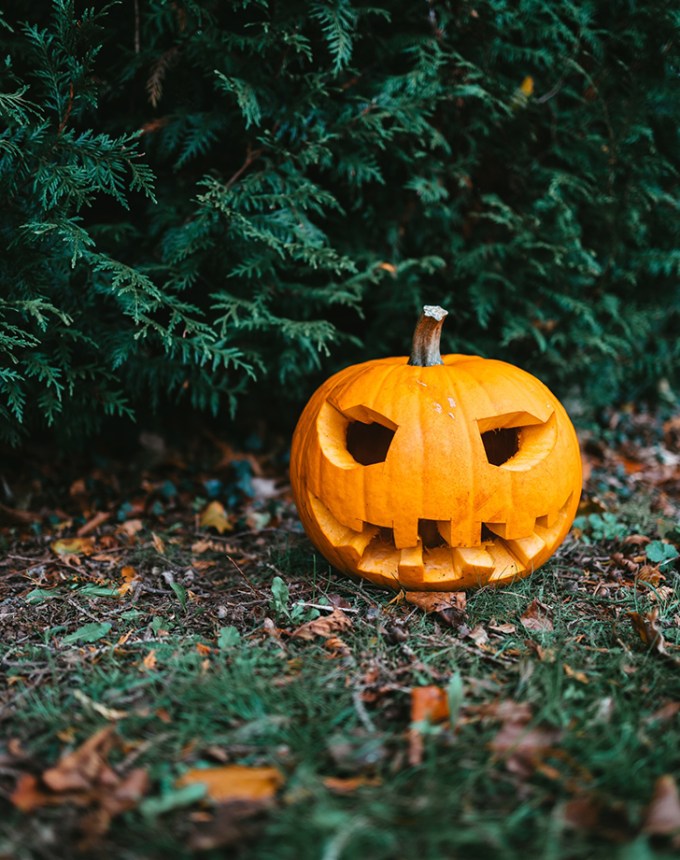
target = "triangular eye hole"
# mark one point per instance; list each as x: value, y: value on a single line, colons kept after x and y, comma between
x: 369, y: 443
x: 518, y: 440
x: 501, y: 444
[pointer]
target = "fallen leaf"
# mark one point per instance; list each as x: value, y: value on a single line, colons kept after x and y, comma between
x: 522, y: 747
x: 84, y: 778
x: 149, y: 662
x: 535, y: 617
x: 581, y: 677
x: 663, y: 814
x: 235, y: 782
x: 72, y: 546
x: 215, y: 516
x: 651, y: 574
x: 158, y: 543
x: 130, y: 577
x: 348, y: 785
x: 437, y: 601
x: 130, y: 527
x: 336, y: 645
x: 504, y: 628
x: 429, y: 704
x: 94, y: 523
x: 325, y: 626
x: 448, y: 605
x: 648, y: 629
x: 77, y: 770
x: 478, y: 635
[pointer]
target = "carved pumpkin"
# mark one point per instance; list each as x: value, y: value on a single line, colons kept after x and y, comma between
x: 435, y: 474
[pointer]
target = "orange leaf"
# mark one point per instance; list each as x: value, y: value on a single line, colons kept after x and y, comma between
x: 215, y: 516
x: 235, y: 782
x: 429, y: 703
x: 149, y: 662
x: 158, y: 544
x: 129, y: 575
x: 348, y: 785
x: 73, y: 546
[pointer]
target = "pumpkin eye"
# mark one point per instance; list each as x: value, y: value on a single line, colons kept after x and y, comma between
x: 517, y: 441
x: 368, y: 443
x: 501, y: 444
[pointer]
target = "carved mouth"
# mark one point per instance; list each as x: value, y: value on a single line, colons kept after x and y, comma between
x: 435, y: 565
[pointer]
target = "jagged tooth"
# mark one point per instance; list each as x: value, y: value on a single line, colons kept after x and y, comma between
x: 547, y: 520
x: 526, y: 549
x: 516, y: 527
x: 405, y: 532
x: 506, y: 566
x: 411, y: 567
x: 475, y: 559
x: 355, y: 543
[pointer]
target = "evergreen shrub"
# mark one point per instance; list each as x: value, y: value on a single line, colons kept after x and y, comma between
x: 204, y: 198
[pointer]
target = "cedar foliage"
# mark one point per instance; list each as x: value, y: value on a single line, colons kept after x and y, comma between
x: 200, y: 197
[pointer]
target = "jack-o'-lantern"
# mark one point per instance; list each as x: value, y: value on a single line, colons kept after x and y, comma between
x: 433, y: 473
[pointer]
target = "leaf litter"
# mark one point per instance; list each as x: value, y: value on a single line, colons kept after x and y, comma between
x: 423, y: 671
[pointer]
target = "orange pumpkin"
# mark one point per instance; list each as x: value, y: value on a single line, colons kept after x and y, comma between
x: 434, y: 473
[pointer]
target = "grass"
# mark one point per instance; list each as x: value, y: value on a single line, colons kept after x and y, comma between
x: 265, y: 698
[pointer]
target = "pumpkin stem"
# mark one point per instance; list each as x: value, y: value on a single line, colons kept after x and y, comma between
x: 425, y: 349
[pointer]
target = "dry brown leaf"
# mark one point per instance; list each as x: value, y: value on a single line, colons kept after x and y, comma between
x: 348, y: 785
x: 651, y: 574
x: 648, y: 629
x: 535, y: 617
x: 78, y: 770
x: 326, y: 626
x: 478, y: 635
x: 504, y: 628
x: 94, y: 523
x: 84, y: 778
x: 216, y: 517
x: 235, y: 782
x: 336, y: 645
x: 428, y: 704
x: 522, y: 747
x: 663, y: 814
x: 158, y: 543
x: 130, y: 527
x: 437, y: 601
x: 72, y: 546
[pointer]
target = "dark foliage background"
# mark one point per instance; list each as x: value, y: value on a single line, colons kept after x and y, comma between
x: 202, y: 200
